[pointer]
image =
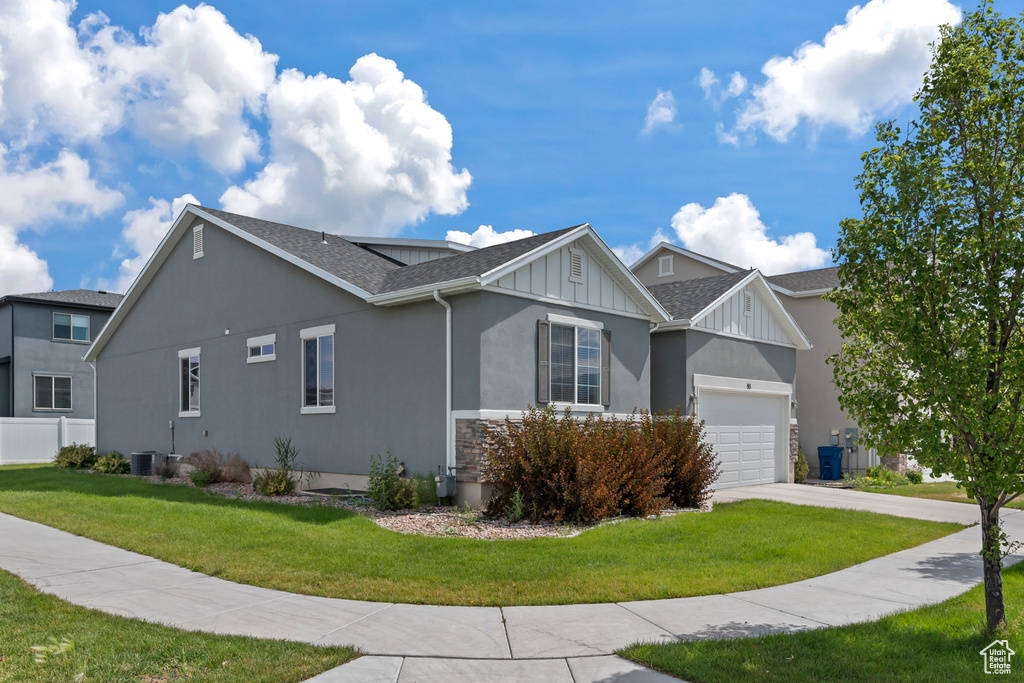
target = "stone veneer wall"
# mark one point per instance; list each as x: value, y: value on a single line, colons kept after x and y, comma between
x: 794, y: 441
x: 470, y: 437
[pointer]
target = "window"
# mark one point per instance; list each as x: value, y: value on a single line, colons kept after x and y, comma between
x: 67, y: 327
x: 188, y: 363
x: 665, y: 266
x: 197, y: 242
x: 52, y: 392
x: 261, y: 349
x: 575, y: 363
x: 318, y: 369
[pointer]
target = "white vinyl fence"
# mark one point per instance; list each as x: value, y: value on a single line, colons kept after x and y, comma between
x: 36, y: 439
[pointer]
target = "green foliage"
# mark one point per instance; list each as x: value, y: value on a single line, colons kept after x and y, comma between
x: 515, y: 511
x: 800, y: 469
x: 586, y: 470
x: 405, y: 496
x: 932, y: 275
x: 219, y: 467
x: 200, y: 478
x: 915, y: 475
x: 113, y: 462
x: 288, y: 474
x: 384, y: 483
x: 426, y: 490
x: 75, y: 456
x: 878, y: 476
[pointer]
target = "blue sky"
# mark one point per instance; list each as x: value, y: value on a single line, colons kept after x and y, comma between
x: 430, y: 118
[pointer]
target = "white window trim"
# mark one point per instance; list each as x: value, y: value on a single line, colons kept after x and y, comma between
x: 188, y: 353
x: 576, y: 322
x: 566, y: 321
x: 52, y: 375
x: 314, y: 333
x: 662, y: 270
x: 197, y: 233
x: 253, y: 342
x: 88, y: 327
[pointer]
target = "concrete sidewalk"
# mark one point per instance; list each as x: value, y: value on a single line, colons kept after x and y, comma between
x: 556, y: 643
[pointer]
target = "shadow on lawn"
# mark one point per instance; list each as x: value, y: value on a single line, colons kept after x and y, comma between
x: 51, y: 479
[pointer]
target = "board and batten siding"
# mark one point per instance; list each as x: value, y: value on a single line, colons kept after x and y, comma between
x: 760, y: 324
x: 411, y: 256
x: 549, y: 277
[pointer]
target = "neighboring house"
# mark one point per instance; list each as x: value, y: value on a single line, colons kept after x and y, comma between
x: 729, y: 356
x: 43, y: 337
x: 817, y: 400
x: 239, y: 330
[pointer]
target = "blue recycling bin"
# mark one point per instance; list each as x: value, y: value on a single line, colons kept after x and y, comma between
x: 830, y: 462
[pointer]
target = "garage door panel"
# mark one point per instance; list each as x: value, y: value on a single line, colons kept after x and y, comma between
x: 743, y: 429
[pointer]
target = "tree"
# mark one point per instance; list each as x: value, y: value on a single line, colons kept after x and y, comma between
x: 932, y: 279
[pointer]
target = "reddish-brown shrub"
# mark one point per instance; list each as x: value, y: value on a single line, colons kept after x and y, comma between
x: 220, y: 467
x: 569, y: 470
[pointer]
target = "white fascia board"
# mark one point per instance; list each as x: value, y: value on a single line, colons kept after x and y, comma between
x: 700, y: 258
x: 280, y: 253
x: 771, y: 299
x: 553, y: 301
x: 409, y: 242
x: 404, y: 296
x: 606, y: 257
x: 144, y: 277
x: 805, y: 294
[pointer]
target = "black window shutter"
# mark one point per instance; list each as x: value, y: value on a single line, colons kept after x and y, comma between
x: 606, y: 368
x: 543, y: 362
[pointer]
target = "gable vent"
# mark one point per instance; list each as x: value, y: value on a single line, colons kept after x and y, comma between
x: 748, y: 303
x: 575, y: 266
x: 197, y: 242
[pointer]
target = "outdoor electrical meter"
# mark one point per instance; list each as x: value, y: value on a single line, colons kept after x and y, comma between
x: 834, y: 440
x: 851, y: 438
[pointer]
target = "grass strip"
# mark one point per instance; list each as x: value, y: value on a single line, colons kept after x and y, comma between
x: 936, y: 490
x: 332, y: 552
x: 938, y: 643
x: 109, y: 648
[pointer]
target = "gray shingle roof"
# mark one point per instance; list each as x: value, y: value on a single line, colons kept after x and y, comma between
x: 468, y: 264
x: 807, y: 280
x: 361, y: 267
x: 73, y: 297
x: 687, y: 298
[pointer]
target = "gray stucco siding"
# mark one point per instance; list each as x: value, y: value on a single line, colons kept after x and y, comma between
x: 506, y: 339
x: 677, y: 355
x: 388, y: 375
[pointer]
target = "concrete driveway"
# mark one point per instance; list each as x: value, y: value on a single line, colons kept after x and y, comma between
x: 571, y: 643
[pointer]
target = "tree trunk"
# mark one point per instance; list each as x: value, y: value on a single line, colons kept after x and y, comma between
x: 991, y: 553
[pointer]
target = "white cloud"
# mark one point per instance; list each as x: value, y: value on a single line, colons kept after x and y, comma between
x: 485, y: 236
x: 708, y: 80
x: 731, y: 230
x: 62, y: 188
x: 631, y: 253
x: 143, y: 231
x: 737, y: 86
x: 661, y: 112
x: 863, y: 68
x: 364, y: 156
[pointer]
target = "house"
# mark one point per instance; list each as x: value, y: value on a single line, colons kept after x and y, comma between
x: 729, y: 356
x: 239, y: 330
x: 43, y: 337
x: 822, y: 421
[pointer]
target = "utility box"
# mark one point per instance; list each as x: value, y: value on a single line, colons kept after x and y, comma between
x: 830, y: 459
x: 445, y: 485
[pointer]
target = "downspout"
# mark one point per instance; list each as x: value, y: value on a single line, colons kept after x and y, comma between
x: 448, y: 441
x: 95, y: 415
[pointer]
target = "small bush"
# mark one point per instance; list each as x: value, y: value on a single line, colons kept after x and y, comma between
x: 274, y: 483
x: 569, y: 470
x: 75, y: 456
x: 200, y: 478
x: 219, y: 467
x: 800, y: 469
x: 915, y: 475
x: 516, y: 509
x: 113, y: 462
x: 405, y: 496
x: 426, y: 490
x: 878, y: 476
x: 384, y: 482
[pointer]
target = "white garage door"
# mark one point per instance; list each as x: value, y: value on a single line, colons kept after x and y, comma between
x: 744, y: 430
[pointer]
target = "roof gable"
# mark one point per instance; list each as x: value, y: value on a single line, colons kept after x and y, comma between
x: 806, y: 282
x: 665, y: 248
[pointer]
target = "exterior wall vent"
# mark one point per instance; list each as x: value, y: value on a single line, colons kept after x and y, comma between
x: 197, y: 242
x: 665, y: 266
x: 576, y: 266
x: 748, y: 303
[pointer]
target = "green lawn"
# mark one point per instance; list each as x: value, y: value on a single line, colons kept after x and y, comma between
x: 938, y: 490
x: 332, y: 552
x: 935, y: 644
x: 108, y: 648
